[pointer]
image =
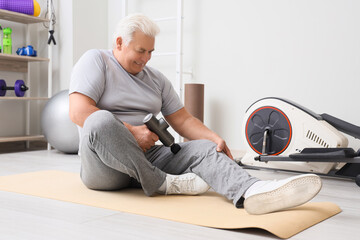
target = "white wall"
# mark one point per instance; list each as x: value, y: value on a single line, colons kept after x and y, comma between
x: 89, y: 26
x: 81, y: 25
x: 63, y: 50
x: 306, y: 51
x: 114, y: 14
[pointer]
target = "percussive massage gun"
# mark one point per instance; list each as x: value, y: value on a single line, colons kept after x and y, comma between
x: 159, y: 128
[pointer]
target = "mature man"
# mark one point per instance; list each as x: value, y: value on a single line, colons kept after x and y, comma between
x: 111, y: 92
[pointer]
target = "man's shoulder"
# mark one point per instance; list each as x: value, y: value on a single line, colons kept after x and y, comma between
x: 99, y: 57
x: 97, y: 53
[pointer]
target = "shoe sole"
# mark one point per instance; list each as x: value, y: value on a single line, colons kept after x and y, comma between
x: 294, y: 193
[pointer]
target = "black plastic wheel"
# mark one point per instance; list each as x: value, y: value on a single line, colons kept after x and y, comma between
x: 276, y: 123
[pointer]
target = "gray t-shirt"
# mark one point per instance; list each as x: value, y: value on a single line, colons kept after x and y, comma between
x: 130, y: 98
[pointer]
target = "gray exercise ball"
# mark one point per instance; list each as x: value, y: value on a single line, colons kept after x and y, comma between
x: 56, y: 125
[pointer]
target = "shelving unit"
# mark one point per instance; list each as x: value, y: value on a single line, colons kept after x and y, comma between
x: 15, y: 63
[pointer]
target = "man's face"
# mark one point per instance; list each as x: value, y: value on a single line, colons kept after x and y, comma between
x: 136, y: 54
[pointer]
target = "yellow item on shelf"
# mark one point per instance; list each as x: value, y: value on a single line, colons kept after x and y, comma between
x: 37, y: 8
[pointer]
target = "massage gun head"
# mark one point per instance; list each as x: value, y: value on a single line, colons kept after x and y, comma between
x: 159, y: 128
x: 175, y: 148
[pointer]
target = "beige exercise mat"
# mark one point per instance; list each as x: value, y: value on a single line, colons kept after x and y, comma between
x: 209, y: 210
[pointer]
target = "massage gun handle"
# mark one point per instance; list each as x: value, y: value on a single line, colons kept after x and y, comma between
x: 159, y: 128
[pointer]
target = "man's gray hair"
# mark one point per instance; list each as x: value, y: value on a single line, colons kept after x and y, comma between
x: 131, y: 23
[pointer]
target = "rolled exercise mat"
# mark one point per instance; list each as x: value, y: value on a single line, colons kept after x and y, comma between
x: 20, y: 6
x: 208, y: 210
x: 194, y: 100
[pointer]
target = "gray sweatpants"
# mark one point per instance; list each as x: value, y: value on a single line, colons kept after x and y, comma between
x: 111, y: 159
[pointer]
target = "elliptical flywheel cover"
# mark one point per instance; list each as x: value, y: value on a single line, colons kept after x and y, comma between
x: 277, y: 124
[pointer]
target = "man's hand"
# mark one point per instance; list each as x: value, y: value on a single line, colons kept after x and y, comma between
x: 192, y: 128
x: 144, y: 137
x: 222, y: 147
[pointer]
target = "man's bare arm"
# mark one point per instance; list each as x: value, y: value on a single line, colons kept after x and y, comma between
x: 80, y: 107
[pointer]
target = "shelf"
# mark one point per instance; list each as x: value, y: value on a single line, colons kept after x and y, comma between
x: 13, y: 57
x: 24, y: 98
x: 16, y: 63
x: 20, y: 17
x: 23, y: 138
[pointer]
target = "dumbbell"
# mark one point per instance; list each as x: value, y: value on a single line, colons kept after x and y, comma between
x: 19, y: 87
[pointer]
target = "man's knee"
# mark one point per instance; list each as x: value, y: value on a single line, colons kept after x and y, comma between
x: 205, y: 144
x: 103, y: 123
x: 100, y: 119
x: 203, y: 147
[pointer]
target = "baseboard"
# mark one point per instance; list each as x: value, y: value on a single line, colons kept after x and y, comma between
x: 11, y: 147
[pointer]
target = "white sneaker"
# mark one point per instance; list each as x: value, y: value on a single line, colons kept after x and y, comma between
x: 188, y: 184
x: 270, y: 196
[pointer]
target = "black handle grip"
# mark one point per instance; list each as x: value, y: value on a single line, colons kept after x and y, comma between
x: 342, y: 126
x: 159, y: 128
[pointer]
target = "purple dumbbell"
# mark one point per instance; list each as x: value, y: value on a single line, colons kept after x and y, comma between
x: 19, y: 87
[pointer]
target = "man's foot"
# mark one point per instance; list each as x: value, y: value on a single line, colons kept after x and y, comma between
x: 270, y: 196
x: 188, y: 184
